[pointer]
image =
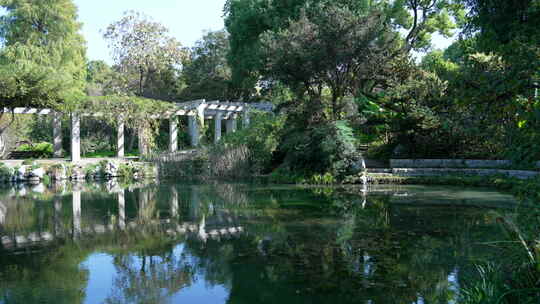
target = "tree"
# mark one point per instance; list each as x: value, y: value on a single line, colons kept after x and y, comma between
x: 207, y: 73
x: 330, y: 48
x: 142, y: 48
x: 42, y: 63
x: 510, y: 29
x: 248, y: 20
x: 99, y: 77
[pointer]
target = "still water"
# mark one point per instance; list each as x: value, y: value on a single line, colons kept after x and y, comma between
x: 237, y: 243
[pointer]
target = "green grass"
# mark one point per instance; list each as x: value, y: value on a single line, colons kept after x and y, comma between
x: 104, y: 154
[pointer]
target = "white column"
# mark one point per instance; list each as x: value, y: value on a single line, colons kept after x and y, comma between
x: 75, y: 137
x: 193, y: 127
x: 57, y: 134
x: 121, y: 210
x: 196, y: 124
x: 77, y: 228
x: 231, y: 124
x: 173, y: 134
x: 120, y: 145
x: 217, y: 127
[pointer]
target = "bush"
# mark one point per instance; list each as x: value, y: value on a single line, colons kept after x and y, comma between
x: 328, y: 147
x: 40, y: 150
x: 259, y: 142
x: 5, y: 172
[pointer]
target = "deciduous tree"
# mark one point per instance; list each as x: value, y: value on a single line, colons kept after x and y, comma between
x: 142, y: 48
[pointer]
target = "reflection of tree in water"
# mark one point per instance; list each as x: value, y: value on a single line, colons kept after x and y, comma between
x: 22, y: 214
x: 149, y: 278
x: 300, y: 246
x: 62, y: 280
x: 365, y: 252
x: 149, y: 271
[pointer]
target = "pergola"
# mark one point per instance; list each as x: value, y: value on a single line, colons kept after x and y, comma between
x: 197, y: 112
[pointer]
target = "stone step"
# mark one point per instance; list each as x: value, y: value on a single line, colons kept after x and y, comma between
x: 379, y: 170
x: 372, y: 163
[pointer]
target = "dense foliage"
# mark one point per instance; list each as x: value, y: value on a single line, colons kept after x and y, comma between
x: 42, y: 59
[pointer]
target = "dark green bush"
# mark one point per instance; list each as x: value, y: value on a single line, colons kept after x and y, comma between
x: 328, y: 147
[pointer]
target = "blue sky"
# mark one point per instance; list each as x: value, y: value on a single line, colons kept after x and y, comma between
x: 186, y: 19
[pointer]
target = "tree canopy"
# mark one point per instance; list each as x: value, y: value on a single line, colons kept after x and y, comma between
x: 142, y: 48
x: 248, y: 20
x: 206, y: 73
x: 42, y: 62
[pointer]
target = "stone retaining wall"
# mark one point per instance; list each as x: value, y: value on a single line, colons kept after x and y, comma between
x: 452, y: 163
x: 36, y: 172
x: 411, y: 172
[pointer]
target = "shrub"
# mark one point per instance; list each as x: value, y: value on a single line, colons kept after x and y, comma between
x: 5, y: 172
x: 328, y: 147
x: 259, y: 141
x: 40, y: 150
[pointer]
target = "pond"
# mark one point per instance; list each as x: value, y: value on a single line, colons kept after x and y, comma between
x: 240, y: 243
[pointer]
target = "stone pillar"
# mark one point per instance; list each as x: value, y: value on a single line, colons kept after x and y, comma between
x: 75, y: 137
x: 217, y: 127
x: 120, y: 138
x: 57, y: 135
x: 144, y: 140
x: 194, y: 133
x: 196, y: 124
x: 77, y: 227
x: 121, y: 210
x: 231, y: 124
x: 173, y: 134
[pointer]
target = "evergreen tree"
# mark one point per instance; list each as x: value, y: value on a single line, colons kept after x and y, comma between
x: 42, y: 62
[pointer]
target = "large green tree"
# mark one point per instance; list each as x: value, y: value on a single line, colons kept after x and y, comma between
x: 207, y: 74
x: 248, y: 20
x: 42, y: 61
x: 143, y: 51
x: 329, y: 48
x: 510, y: 29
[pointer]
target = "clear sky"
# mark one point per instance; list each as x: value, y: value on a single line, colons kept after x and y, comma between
x: 186, y: 19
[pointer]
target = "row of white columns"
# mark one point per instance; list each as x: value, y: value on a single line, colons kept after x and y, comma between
x: 195, y: 123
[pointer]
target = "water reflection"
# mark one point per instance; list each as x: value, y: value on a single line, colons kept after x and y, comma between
x: 224, y: 243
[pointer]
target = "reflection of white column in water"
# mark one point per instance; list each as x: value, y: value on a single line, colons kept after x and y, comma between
x: 3, y: 211
x: 77, y: 213
x: 121, y: 210
x: 174, y: 202
x: 453, y: 282
x: 202, y: 229
x: 364, y: 195
x: 57, y: 216
x: 146, y: 201
x: 194, y: 203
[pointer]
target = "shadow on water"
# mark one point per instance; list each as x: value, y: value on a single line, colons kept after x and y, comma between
x: 238, y: 243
